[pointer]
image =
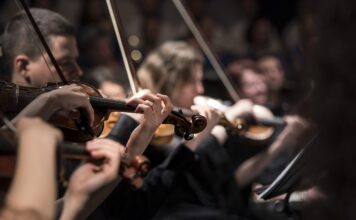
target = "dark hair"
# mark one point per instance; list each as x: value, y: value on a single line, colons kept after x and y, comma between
x: 19, y: 36
x: 331, y: 64
x: 268, y: 54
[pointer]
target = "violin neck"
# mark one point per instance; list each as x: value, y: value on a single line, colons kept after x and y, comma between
x: 185, y: 112
x: 111, y: 105
x: 276, y: 121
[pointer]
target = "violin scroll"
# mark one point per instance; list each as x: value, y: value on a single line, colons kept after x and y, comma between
x: 198, y: 123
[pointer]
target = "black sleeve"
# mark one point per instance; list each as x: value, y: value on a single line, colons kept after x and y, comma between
x: 211, y: 150
x: 123, y: 129
x: 128, y: 203
x: 214, y: 165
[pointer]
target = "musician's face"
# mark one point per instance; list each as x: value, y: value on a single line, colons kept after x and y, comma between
x: 254, y: 87
x: 272, y: 70
x: 64, y: 48
x: 184, y: 94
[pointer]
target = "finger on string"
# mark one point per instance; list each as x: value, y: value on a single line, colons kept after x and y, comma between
x: 142, y: 108
x: 166, y: 101
x: 103, y: 143
x: 156, y: 102
x: 134, y: 102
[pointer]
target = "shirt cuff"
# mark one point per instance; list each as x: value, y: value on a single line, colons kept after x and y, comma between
x: 123, y: 129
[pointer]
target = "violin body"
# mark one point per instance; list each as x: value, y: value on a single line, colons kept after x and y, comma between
x: 18, y: 97
x: 73, y: 126
x: 110, y: 123
x: 163, y: 135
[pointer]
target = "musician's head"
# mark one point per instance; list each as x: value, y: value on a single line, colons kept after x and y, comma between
x: 24, y: 55
x: 271, y: 67
x: 249, y: 81
x: 174, y: 69
x: 106, y: 81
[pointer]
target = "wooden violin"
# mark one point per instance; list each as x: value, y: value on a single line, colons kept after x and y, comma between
x: 258, y: 127
x: 132, y: 173
x: 19, y: 97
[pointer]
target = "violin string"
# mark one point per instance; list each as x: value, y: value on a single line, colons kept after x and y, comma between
x: 38, y: 47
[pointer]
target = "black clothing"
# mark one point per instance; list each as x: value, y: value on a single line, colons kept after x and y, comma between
x: 123, y: 129
x: 126, y: 202
x: 205, y: 191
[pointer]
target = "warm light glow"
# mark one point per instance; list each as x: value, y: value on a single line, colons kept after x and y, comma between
x: 136, y: 55
x: 134, y: 41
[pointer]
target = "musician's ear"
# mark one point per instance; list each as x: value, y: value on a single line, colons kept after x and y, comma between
x: 21, y: 64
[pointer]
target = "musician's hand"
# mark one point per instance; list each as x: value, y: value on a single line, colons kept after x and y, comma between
x: 37, y: 129
x: 70, y: 98
x: 155, y: 108
x: 242, y: 108
x: 212, y: 117
x: 89, y: 178
x: 134, y: 101
x: 33, y: 184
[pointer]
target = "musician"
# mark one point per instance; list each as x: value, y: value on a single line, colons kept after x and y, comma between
x: 25, y: 61
x: 250, y: 81
x: 176, y: 69
x: 280, y: 88
x: 26, y: 65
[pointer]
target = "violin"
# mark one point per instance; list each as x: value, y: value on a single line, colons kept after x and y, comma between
x: 132, y: 173
x: 109, y: 123
x: 18, y: 97
x: 257, y: 133
x: 258, y: 128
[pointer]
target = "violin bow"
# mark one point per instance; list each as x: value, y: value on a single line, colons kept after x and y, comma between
x: 7, y: 122
x: 123, y: 44
x: 59, y: 71
x: 201, y: 40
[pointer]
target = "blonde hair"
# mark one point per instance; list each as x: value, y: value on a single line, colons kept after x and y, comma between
x: 168, y: 67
